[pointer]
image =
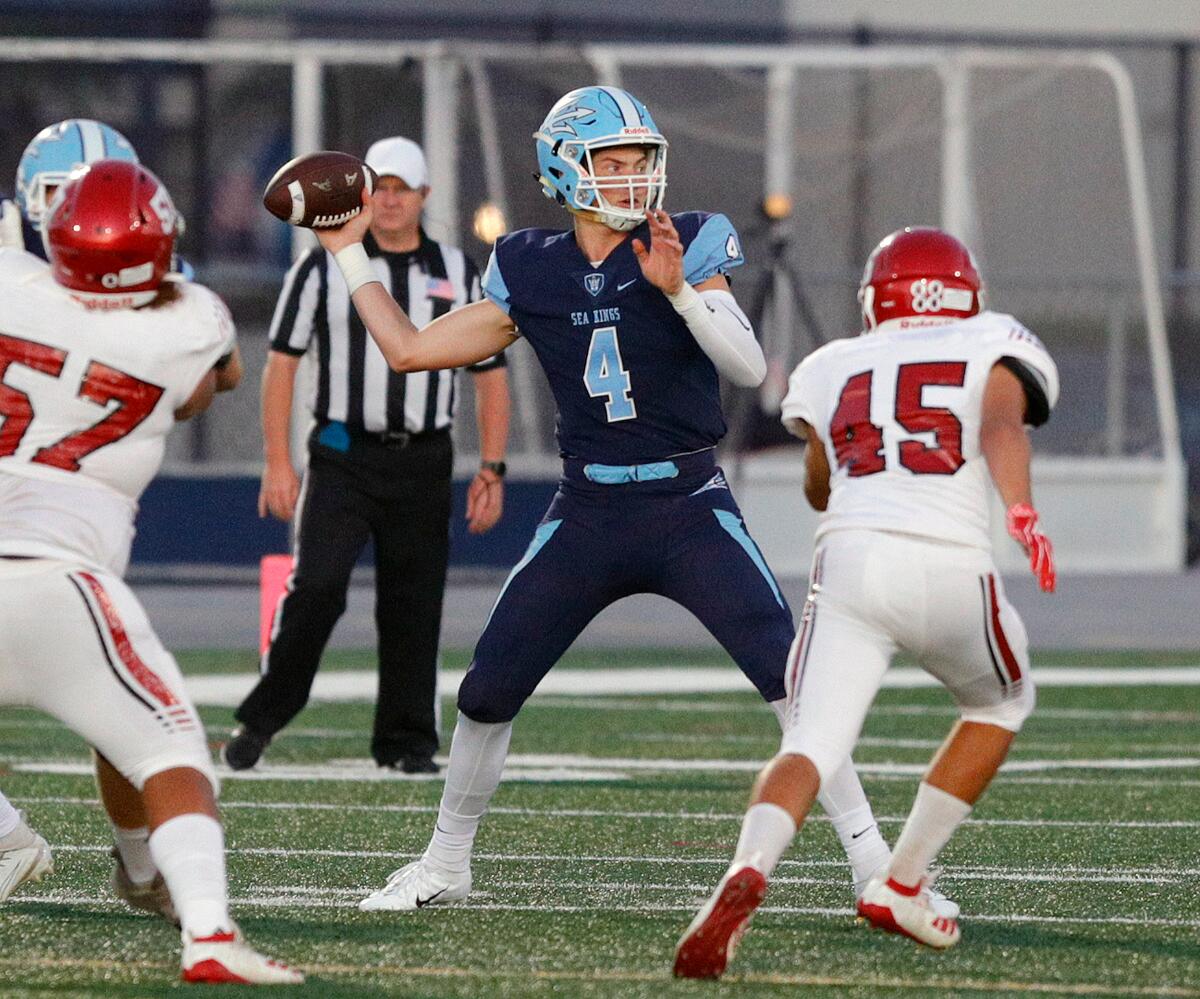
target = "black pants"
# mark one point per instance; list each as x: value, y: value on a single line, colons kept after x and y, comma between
x: 400, y: 498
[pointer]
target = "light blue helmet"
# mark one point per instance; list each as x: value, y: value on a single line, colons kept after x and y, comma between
x: 57, y: 150
x: 592, y: 118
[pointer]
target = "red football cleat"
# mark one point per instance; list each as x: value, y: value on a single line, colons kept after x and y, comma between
x: 709, y: 943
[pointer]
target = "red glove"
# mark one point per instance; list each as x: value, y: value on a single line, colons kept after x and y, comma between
x: 1022, y: 526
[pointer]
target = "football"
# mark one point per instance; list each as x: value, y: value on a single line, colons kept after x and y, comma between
x: 319, y: 190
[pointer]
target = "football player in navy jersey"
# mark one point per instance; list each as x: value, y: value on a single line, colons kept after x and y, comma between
x: 630, y: 315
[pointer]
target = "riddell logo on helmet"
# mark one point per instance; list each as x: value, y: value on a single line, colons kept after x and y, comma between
x: 105, y: 303
x: 639, y: 130
x: 913, y: 323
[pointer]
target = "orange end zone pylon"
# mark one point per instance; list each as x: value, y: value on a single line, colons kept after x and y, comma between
x: 273, y: 574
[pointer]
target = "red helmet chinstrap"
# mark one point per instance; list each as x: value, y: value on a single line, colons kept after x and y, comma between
x: 110, y: 234
x: 923, y: 272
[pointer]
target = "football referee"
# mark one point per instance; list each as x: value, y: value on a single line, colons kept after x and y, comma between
x: 379, y: 467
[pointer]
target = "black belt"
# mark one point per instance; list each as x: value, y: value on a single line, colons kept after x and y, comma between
x: 395, y: 439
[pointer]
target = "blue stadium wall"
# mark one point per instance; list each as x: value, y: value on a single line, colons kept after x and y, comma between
x: 193, y: 521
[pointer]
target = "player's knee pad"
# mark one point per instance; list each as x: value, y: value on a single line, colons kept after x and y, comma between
x: 826, y: 754
x: 1009, y: 713
x: 141, y: 771
x: 483, y: 700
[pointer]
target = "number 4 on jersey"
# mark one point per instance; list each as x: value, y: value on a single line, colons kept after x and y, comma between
x: 604, y: 375
x: 857, y: 442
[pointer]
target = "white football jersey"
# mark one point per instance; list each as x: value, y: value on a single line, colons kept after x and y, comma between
x: 87, y: 398
x: 898, y: 410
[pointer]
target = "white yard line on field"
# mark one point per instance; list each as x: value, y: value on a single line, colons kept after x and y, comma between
x: 1130, y: 717
x: 701, y: 706
x: 606, y: 814
x: 577, y: 767
x: 229, y: 689
x: 1135, y: 717
x: 1068, y: 873
x: 271, y: 900
x: 880, y: 742
x: 350, y: 771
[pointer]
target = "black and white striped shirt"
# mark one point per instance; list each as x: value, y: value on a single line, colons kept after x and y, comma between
x: 354, y: 384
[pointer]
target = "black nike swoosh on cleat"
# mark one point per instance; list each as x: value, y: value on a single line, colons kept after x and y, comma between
x: 422, y: 902
x: 862, y: 831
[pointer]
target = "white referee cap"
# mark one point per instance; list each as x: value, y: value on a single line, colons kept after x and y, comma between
x: 399, y: 157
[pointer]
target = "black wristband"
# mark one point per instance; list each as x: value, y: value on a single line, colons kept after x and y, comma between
x: 498, y: 468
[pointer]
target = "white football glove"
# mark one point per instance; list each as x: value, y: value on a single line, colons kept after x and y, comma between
x: 10, y: 226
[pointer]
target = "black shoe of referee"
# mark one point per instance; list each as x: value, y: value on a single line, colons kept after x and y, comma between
x: 413, y: 764
x: 244, y: 748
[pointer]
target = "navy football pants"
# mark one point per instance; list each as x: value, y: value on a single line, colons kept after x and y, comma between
x: 682, y: 538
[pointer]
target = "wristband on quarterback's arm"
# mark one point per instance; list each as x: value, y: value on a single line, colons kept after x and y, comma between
x: 355, y: 266
x: 723, y: 333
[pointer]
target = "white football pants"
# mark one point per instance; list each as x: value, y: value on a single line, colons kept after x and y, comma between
x: 76, y: 643
x: 874, y: 593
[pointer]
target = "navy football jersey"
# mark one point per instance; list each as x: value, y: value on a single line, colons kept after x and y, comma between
x: 631, y: 383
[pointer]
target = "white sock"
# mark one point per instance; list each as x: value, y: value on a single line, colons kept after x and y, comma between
x: 10, y: 818
x: 846, y: 804
x: 477, y: 754
x: 934, y: 817
x: 190, y: 852
x: 767, y: 830
x: 134, y: 847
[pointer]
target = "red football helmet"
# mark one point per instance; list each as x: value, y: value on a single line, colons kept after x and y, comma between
x: 110, y: 234
x: 919, y: 271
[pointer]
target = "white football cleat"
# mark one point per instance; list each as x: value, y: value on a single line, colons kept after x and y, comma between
x: 938, y: 902
x: 226, y: 959
x: 150, y: 896
x: 708, y: 945
x: 886, y: 907
x: 415, y: 886
x: 24, y: 856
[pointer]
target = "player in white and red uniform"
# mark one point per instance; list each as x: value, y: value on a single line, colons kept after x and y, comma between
x: 45, y: 164
x: 99, y: 356
x: 909, y: 426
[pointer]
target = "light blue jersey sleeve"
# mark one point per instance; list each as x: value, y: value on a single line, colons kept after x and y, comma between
x: 714, y: 250
x: 494, y: 287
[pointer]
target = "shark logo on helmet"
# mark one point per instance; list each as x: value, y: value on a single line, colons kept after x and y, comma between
x: 561, y: 122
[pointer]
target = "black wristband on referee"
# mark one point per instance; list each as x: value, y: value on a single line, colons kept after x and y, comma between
x: 498, y: 468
